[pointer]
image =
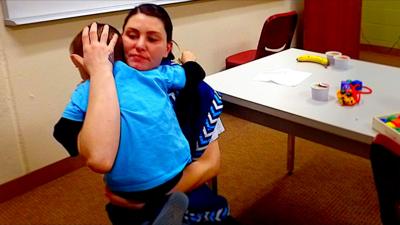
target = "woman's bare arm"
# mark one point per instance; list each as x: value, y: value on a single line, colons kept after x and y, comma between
x: 99, y: 138
x: 194, y: 175
x: 202, y: 170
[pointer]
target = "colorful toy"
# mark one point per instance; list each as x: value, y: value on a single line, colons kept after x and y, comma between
x: 392, y: 121
x: 350, y: 92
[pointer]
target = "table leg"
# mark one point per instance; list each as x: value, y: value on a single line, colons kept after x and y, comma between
x: 290, y: 153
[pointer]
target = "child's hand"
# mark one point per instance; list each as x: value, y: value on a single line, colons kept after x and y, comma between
x: 187, y: 56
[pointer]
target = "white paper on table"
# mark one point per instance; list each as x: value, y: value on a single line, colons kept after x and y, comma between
x: 286, y: 77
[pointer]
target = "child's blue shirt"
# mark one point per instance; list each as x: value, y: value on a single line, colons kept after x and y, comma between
x: 152, y: 146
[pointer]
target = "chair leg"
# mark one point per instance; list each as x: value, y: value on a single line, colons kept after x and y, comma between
x: 290, y: 153
x: 214, y: 185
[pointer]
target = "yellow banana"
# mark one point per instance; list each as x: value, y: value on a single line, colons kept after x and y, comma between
x: 313, y: 58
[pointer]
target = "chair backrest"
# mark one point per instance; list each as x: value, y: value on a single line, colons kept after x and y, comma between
x: 277, y: 34
x: 385, y: 163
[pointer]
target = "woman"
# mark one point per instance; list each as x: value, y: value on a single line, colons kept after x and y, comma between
x: 147, y: 39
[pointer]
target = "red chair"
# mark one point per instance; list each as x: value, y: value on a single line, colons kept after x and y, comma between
x: 385, y: 163
x: 276, y: 36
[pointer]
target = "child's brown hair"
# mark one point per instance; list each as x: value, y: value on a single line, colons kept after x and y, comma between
x: 76, y: 46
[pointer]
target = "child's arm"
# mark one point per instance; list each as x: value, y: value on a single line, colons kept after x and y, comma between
x: 187, y: 101
x: 66, y: 132
x: 193, y: 71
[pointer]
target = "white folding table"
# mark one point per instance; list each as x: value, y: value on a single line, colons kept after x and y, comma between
x: 292, y: 110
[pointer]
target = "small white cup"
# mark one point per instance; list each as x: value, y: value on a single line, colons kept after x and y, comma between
x: 320, y: 91
x: 331, y: 56
x: 341, y: 62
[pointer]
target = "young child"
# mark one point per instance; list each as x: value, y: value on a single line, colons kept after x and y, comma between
x: 153, y: 150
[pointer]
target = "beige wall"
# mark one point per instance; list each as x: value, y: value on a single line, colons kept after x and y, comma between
x: 36, y: 76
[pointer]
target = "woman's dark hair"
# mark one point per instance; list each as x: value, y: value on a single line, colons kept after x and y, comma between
x: 154, y: 11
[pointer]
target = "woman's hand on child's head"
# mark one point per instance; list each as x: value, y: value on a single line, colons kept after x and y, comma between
x: 98, y: 56
x: 187, y: 56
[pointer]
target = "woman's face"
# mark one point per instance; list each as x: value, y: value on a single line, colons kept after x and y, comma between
x: 145, y: 42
